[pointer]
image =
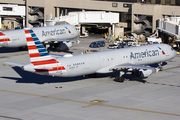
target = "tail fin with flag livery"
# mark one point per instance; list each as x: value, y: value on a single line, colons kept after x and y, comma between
x: 39, y: 57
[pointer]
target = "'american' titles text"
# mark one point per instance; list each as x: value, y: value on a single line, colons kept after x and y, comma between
x: 147, y: 53
x: 53, y: 32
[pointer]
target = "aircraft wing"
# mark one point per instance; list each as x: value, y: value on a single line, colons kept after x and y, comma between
x: 134, y: 67
x: 14, y: 64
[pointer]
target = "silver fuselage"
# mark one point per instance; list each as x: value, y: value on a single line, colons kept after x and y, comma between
x: 102, y: 62
x: 16, y: 38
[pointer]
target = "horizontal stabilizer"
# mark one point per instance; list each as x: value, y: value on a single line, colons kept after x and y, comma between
x: 13, y: 64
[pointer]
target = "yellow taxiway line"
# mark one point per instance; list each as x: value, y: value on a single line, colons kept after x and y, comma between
x: 91, y: 103
x: 94, y: 102
x: 13, y: 55
x: 12, y: 118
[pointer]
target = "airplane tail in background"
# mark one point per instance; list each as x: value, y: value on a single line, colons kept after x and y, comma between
x: 39, y: 56
x: 35, y: 47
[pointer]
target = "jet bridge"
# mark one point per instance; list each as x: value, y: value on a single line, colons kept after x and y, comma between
x: 10, y: 15
x: 88, y: 17
x: 77, y: 18
x: 170, y: 26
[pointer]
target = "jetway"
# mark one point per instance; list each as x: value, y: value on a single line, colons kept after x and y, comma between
x: 88, y: 17
x: 11, y: 11
x: 77, y: 18
x: 170, y: 26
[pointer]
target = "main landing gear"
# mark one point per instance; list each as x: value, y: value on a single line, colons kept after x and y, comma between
x: 120, y: 78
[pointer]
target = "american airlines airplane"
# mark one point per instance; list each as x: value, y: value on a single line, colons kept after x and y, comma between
x: 57, y: 36
x: 131, y: 59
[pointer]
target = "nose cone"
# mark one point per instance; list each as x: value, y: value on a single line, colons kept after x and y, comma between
x: 73, y: 30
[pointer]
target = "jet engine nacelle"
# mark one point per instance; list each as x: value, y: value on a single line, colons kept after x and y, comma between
x: 60, y: 46
x: 142, y: 73
x: 64, y: 45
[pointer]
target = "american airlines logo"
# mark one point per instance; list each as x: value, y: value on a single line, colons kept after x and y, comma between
x: 53, y: 32
x: 147, y: 53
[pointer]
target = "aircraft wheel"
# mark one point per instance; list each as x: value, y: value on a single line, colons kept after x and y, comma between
x: 160, y: 68
x: 119, y: 79
x: 98, y: 45
x: 48, y: 50
x: 103, y: 44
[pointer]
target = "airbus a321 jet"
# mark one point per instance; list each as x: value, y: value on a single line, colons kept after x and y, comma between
x: 132, y: 59
x: 57, y: 36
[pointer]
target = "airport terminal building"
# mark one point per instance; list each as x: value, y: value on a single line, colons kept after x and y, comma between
x: 134, y: 15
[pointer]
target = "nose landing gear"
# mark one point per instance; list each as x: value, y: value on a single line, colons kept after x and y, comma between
x: 160, y: 67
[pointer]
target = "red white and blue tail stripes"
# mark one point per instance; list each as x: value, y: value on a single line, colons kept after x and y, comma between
x: 39, y: 56
x: 35, y: 47
x: 3, y: 37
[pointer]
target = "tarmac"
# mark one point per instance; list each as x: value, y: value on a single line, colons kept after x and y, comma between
x: 29, y: 96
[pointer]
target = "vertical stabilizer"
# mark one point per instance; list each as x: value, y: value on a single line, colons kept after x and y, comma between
x: 39, y: 56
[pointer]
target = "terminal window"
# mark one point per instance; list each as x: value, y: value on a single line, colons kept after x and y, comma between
x: 158, y: 1
x: 148, y: 1
x: 7, y: 8
x: 173, y: 2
